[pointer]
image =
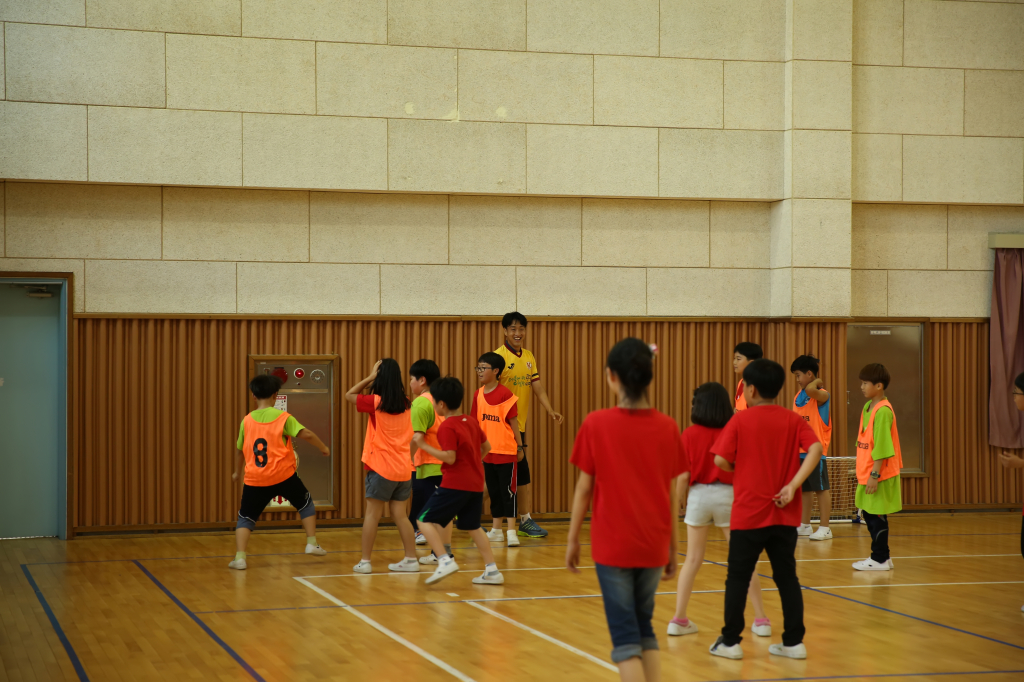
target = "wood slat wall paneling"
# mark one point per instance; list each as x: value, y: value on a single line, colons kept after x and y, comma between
x: 156, y: 403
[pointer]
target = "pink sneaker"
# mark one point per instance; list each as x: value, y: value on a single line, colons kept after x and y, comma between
x: 762, y: 627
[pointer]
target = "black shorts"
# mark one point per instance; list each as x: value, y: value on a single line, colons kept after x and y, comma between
x: 818, y: 480
x: 256, y: 498
x: 446, y: 504
x: 523, y: 468
x: 501, y: 486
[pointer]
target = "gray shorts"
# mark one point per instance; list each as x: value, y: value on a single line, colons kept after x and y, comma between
x: 380, y: 488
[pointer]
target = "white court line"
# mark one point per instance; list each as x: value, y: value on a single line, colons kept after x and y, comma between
x: 547, y: 638
x: 707, y: 561
x: 398, y: 638
x: 371, y: 575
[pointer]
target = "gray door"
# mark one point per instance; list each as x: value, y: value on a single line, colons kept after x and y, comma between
x: 900, y: 347
x: 31, y: 411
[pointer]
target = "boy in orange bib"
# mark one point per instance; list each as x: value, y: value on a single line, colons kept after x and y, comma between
x: 265, y: 449
x: 743, y: 354
x: 813, y: 404
x: 878, y: 466
x: 494, y: 408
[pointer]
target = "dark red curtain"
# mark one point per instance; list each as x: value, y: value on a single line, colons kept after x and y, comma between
x: 1006, y: 349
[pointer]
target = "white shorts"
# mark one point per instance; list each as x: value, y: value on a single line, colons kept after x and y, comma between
x: 707, y: 503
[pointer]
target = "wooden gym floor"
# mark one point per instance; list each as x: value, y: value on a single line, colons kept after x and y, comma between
x: 167, y: 606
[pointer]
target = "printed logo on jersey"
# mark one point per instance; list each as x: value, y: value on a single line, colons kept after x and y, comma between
x: 490, y: 418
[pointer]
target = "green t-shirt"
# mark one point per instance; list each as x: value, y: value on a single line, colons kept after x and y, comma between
x: 422, y: 414
x: 889, y: 497
x: 265, y: 416
x: 423, y: 417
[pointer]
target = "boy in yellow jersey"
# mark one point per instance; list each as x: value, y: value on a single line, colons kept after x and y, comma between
x: 494, y: 408
x: 425, y: 421
x: 743, y: 354
x: 265, y: 449
x: 522, y: 377
x: 878, y: 466
x: 813, y: 404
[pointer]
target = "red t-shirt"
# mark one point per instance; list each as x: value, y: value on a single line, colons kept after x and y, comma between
x: 463, y: 435
x: 697, y: 441
x: 764, y: 443
x: 496, y: 397
x: 633, y: 456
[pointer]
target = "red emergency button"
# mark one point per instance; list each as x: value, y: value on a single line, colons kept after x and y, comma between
x: 299, y: 374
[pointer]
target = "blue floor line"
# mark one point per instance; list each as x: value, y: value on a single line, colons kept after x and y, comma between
x: 878, y: 676
x: 77, y: 664
x: 213, y: 635
x: 882, y: 608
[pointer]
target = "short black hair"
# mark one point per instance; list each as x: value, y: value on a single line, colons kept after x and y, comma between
x: 749, y: 350
x: 632, y: 360
x: 264, y: 386
x: 875, y: 373
x: 767, y: 376
x: 449, y: 391
x: 1019, y: 381
x: 494, y: 360
x: 508, y: 318
x: 806, y: 363
x: 712, y: 406
x: 425, y: 369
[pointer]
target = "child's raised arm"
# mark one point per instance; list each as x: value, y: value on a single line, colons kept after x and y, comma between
x: 314, y: 440
x: 814, y: 392
x: 353, y: 393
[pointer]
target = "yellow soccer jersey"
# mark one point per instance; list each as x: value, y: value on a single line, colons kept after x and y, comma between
x: 519, y: 375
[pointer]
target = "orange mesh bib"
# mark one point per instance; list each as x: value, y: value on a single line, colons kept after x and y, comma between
x: 494, y: 426
x: 269, y: 456
x: 812, y: 415
x: 866, y: 445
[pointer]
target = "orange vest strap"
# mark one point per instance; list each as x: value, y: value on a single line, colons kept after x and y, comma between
x: 492, y: 422
x: 741, y: 400
x: 386, y: 448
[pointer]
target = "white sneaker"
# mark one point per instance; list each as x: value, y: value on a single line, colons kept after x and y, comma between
x: 676, y: 630
x: 495, y: 535
x: 870, y: 564
x: 363, y: 567
x: 240, y: 565
x: 734, y: 652
x: 421, y: 539
x: 406, y: 565
x: 823, y: 533
x: 443, y: 570
x: 798, y: 651
x: 804, y: 529
x: 513, y: 538
x: 316, y: 550
x: 429, y: 560
x: 762, y: 630
x: 495, y: 578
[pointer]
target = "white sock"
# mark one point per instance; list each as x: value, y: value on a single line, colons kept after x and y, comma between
x: 491, y: 568
x: 411, y: 560
x: 524, y: 517
x: 445, y: 560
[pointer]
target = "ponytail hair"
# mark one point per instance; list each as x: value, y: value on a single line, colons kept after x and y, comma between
x: 632, y: 360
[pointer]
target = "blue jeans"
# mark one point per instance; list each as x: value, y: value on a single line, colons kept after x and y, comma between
x: 629, y: 605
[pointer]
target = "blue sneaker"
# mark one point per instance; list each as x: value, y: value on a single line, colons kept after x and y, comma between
x: 530, y: 529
